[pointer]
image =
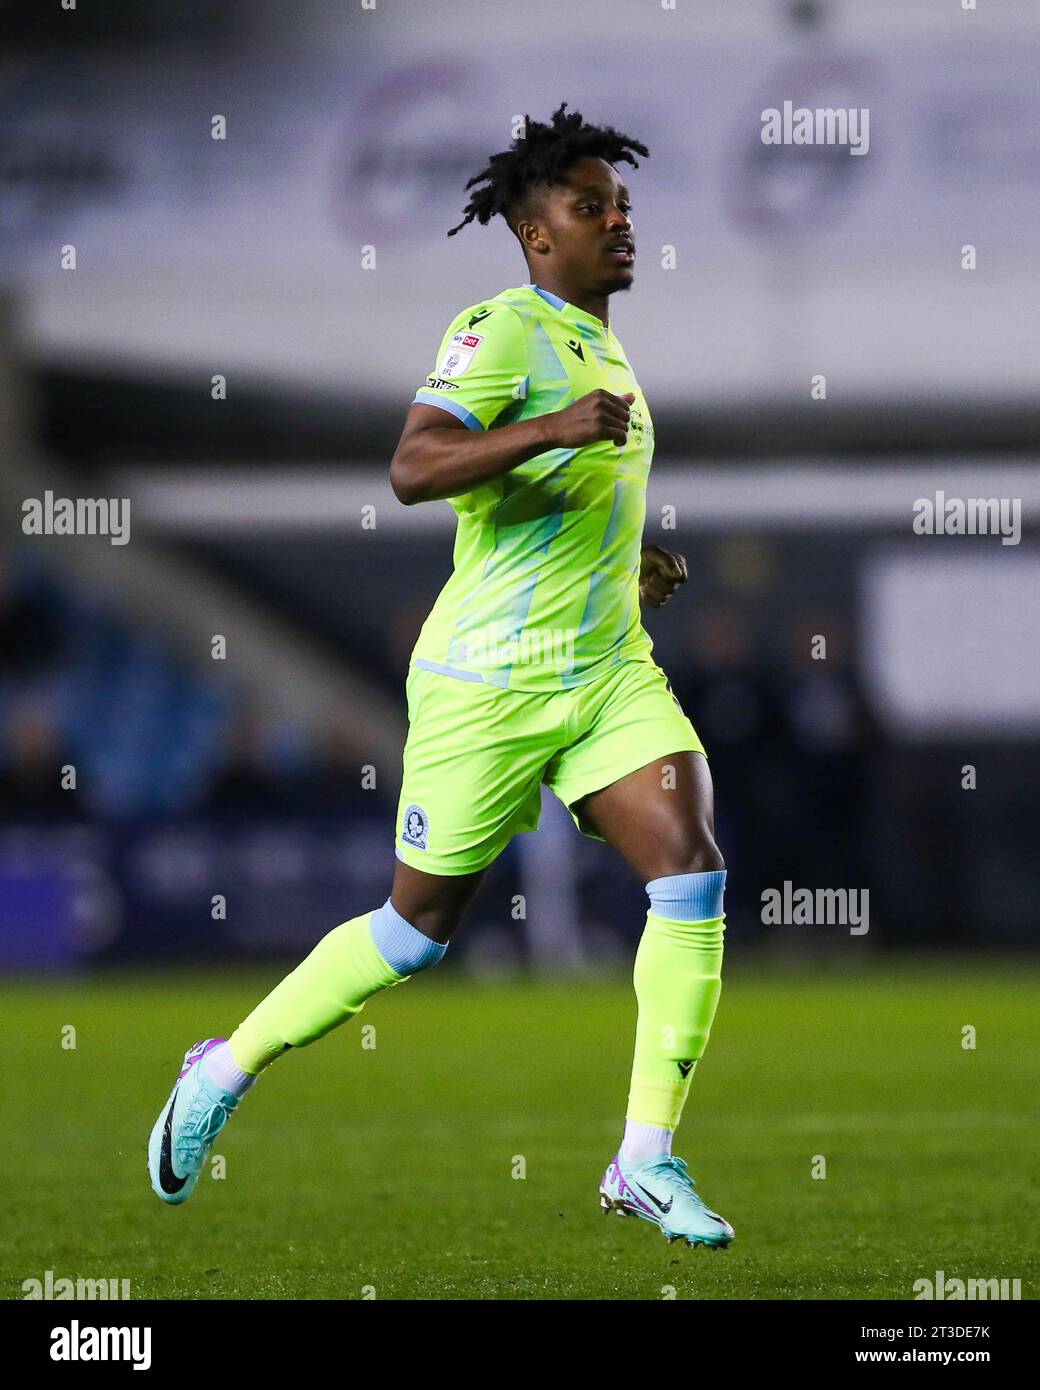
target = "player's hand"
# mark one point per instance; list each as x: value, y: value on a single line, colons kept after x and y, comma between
x: 599, y: 415
x: 660, y: 574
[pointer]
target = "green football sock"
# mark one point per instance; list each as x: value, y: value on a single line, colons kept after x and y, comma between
x: 678, y: 980
x: 325, y: 989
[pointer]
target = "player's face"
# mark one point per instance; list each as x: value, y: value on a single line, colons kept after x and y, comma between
x: 588, y: 225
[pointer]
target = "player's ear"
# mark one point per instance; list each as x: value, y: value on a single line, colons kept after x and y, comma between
x: 530, y: 236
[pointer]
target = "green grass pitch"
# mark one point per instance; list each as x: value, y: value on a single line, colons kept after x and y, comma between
x: 391, y: 1169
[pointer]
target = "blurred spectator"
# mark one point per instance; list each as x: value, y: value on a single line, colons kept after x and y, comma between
x: 30, y: 628
x: 727, y: 692
x: 725, y: 687
x: 332, y: 783
x: 832, y: 742
x: 242, y: 786
x: 31, y: 776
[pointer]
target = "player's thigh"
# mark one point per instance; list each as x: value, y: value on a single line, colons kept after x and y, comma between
x: 639, y: 779
x: 660, y: 817
x: 472, y: 768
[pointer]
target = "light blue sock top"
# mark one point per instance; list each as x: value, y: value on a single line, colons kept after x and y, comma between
x: 688, y: 897
x: 402, y: 947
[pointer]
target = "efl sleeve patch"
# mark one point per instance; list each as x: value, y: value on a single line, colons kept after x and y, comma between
x: 481, y: 366
x: 459, y: 354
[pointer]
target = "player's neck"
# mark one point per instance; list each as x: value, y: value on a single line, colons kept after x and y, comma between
x: 596, y: 304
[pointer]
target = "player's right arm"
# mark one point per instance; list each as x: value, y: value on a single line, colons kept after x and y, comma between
x: 450, y: 445
x: 437, y: 456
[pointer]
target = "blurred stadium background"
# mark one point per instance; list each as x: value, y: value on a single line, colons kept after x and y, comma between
x: 303, y: 259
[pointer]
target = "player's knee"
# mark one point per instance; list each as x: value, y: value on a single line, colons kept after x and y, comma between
x: 695, y: 854
x: 706, y: 858
x: 438, y: 921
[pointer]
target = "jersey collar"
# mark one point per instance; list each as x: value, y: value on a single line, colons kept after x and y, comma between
x: 570, y: 311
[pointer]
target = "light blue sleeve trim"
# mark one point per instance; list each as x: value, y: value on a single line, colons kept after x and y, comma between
x: 402, y: 947
x: 688, y: 897
x: 447, y: 670
x: 425, y: 397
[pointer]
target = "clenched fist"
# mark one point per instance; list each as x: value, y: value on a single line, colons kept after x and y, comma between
x: 660, y: 574
x: 599, y: 415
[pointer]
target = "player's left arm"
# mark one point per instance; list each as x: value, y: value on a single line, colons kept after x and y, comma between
x: 660, y: 574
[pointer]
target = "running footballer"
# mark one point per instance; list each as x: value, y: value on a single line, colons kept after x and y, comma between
x: 533, y: 667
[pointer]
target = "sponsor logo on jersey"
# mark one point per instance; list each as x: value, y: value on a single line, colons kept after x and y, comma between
x: 416, y: 826
x: 435, y: 383
x: 459, y: 354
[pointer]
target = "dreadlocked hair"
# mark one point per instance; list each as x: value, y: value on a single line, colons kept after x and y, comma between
x: 543, y: 155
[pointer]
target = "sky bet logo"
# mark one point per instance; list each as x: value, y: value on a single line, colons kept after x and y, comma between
x: 459, y: 355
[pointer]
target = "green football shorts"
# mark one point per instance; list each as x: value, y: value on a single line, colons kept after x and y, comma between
x: 476, y: 755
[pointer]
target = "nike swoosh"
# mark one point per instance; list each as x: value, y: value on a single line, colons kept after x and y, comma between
x: 168, y: 1179
x: 661, y: 1206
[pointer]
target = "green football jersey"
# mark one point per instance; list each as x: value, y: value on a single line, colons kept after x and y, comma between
x: 545, y: 590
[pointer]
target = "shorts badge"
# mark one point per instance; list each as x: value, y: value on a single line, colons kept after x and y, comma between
x: 416, y: 825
